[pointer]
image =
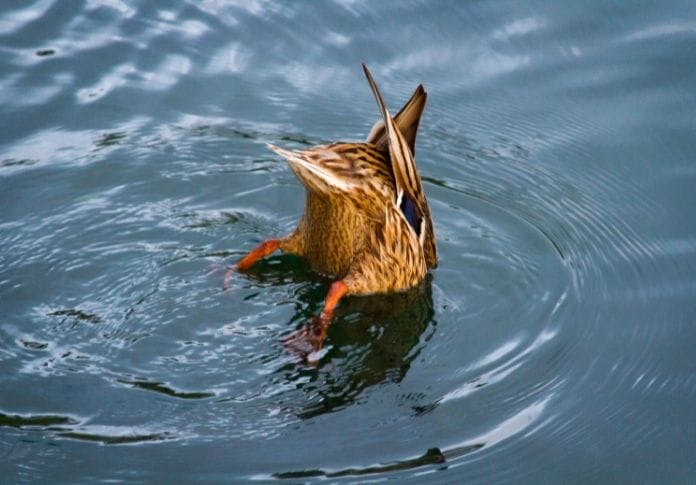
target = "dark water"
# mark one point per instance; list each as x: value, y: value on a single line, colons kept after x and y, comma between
x: 553, y: 343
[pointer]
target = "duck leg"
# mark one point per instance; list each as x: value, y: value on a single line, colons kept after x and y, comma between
x: 264, y: 249
x: 310, y: 338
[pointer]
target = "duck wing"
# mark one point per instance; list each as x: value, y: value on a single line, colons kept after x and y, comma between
x: 410, y: 197
x: 318, y: 168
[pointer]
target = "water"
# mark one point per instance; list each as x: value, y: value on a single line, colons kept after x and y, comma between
x: 553, y: 342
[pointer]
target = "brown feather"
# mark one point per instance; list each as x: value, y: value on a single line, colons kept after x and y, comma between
x: 406, y: 174
x: 352, y: 226
x: 407, y: 121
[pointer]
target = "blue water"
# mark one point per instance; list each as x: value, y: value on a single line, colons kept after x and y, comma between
x: 554, y: 342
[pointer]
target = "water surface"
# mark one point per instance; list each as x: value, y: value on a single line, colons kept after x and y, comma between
x: 552, y: 343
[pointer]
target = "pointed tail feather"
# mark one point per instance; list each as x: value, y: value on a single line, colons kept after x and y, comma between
x: 407, y: 121
x: 403, y: 165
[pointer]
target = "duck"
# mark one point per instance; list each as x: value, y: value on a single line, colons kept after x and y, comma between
x: 366, y: 220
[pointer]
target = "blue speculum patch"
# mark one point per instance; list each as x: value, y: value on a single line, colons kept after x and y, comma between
x: 409, y: 209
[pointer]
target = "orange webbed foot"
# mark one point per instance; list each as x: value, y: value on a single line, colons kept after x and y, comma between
x: 264, y: 249
x: 308, y: 341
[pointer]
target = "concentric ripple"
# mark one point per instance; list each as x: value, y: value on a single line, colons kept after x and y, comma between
x: 553, y: 341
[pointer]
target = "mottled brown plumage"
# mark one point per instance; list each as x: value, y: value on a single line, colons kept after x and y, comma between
x: 342, y: 203
x: 366, y: 218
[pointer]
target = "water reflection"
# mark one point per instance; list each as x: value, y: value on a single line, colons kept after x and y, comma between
x: 372, y: 340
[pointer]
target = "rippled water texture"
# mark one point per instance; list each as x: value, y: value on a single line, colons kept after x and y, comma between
x: 553, y: 342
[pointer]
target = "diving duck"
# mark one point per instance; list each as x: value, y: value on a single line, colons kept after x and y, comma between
x: 366, y: 219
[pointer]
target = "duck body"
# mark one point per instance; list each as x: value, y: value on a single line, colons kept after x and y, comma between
x: 351, y: 227
x: 332, y: 253
x: 366, y: 219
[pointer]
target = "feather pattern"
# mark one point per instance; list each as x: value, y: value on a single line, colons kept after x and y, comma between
x: 347, y: 184
x: 366, y: 219
x: 407, y: 121
x: 410, y: 196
